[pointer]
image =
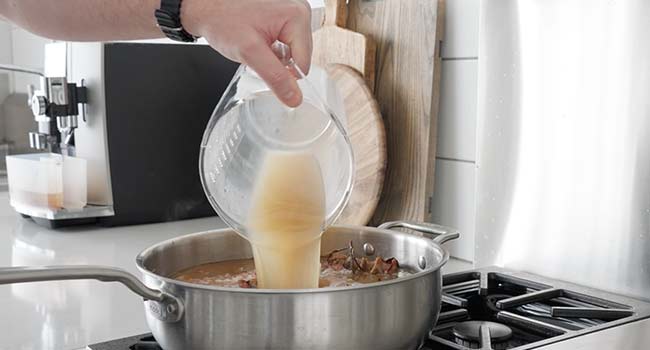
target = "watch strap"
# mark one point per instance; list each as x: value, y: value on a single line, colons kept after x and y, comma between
x: 168, y: 17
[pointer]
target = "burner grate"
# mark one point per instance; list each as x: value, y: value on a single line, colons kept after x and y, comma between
x: 138, y: 342
x: 146, y: 343
x: 539, y: 311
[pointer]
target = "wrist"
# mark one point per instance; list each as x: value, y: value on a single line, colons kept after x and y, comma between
x: 191, y: 16
x: 168, y: 18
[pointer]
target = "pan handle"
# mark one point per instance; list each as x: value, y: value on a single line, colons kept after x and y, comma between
x: 438, y: 233
x: 164, y: 306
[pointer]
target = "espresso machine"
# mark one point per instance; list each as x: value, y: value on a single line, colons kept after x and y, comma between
x: 121, y: 125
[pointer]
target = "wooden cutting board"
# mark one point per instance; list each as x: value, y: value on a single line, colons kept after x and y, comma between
x: 366, y: 130
x: 408, y: 35
x: 349, y: 58
x: 333, y: 43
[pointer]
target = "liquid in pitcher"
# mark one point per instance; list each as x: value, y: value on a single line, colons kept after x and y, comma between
x: 286, y: 221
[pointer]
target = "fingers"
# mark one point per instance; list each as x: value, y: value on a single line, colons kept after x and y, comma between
x: 297, y: 34
x: 263, y: 61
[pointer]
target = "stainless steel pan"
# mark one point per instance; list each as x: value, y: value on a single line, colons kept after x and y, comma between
x: 395, y: 314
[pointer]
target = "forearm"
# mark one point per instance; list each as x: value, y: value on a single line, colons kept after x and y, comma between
x: 241, y: 30
x: 85, y: 20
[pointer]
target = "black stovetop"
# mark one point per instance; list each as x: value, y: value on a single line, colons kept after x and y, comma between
x: 497, y: 309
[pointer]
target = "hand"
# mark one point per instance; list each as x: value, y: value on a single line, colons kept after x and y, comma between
x: 243, y: 31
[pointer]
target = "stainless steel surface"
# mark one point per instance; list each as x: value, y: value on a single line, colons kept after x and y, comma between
x: 57, y: 90
x: 67, y: 122
x: 163, y: 306
x: 89, y: 211
x: 635, y: 335
x: 563, y: 170
x: 10, y: 275
x: 389, y: 315
x: 84, y: 106
x: 41, y: 141
x: 66, y: 125
x: 368, y: 249
x: 38, y: 104
x: 85, y: 61
x: 327, y: 318
x: 54, y: 89
x: 440, y: 234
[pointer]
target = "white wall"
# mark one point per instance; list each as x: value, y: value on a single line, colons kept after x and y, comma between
x: 453, y: 198
x: 21, y: 48
x: 5, y: 42
x: 28, y: 50
x: 6, y: 58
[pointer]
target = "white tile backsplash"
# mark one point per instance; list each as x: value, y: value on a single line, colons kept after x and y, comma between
x: 28, y: 48
x: 461, y: 29
x: 457, y: 113
x: 454, y: 191
x: 454, y: 204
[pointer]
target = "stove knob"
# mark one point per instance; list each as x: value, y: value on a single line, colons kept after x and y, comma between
x: 39, y: 105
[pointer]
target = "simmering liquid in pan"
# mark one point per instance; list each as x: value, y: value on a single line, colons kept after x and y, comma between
x: 333, y: 272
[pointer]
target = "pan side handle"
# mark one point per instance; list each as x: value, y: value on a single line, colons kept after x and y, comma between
x: 438, y: 233
x: 164, y: 306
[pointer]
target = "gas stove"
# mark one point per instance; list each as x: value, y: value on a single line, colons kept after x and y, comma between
x: 498, y: 309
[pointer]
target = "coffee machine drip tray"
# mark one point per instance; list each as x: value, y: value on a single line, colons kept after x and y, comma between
x: 53, y: 218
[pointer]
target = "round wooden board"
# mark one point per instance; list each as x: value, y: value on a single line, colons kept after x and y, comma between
x: 366, y: 130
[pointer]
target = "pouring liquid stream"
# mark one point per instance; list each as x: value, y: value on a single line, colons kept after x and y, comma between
x: 286, y: 220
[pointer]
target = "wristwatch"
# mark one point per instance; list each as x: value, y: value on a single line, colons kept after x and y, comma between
x: 168, y: 17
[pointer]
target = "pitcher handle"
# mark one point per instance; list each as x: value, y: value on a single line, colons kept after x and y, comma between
x: 438, y: 233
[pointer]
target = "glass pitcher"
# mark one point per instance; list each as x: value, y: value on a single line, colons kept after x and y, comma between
x: 250, y: 127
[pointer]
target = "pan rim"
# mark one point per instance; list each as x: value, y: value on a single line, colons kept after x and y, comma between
x: 167, y: 281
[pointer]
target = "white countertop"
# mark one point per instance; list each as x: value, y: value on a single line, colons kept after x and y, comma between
x: 73, y: 314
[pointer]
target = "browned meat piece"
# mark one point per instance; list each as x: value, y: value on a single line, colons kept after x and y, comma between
x: 336, y: 260
x: 248, y: 283
x: 364, y: 264
x: 338, y: 267
x: 244, y: 284
x: 388, y: 266
x: 377, y: 266
x: 393, y: 267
